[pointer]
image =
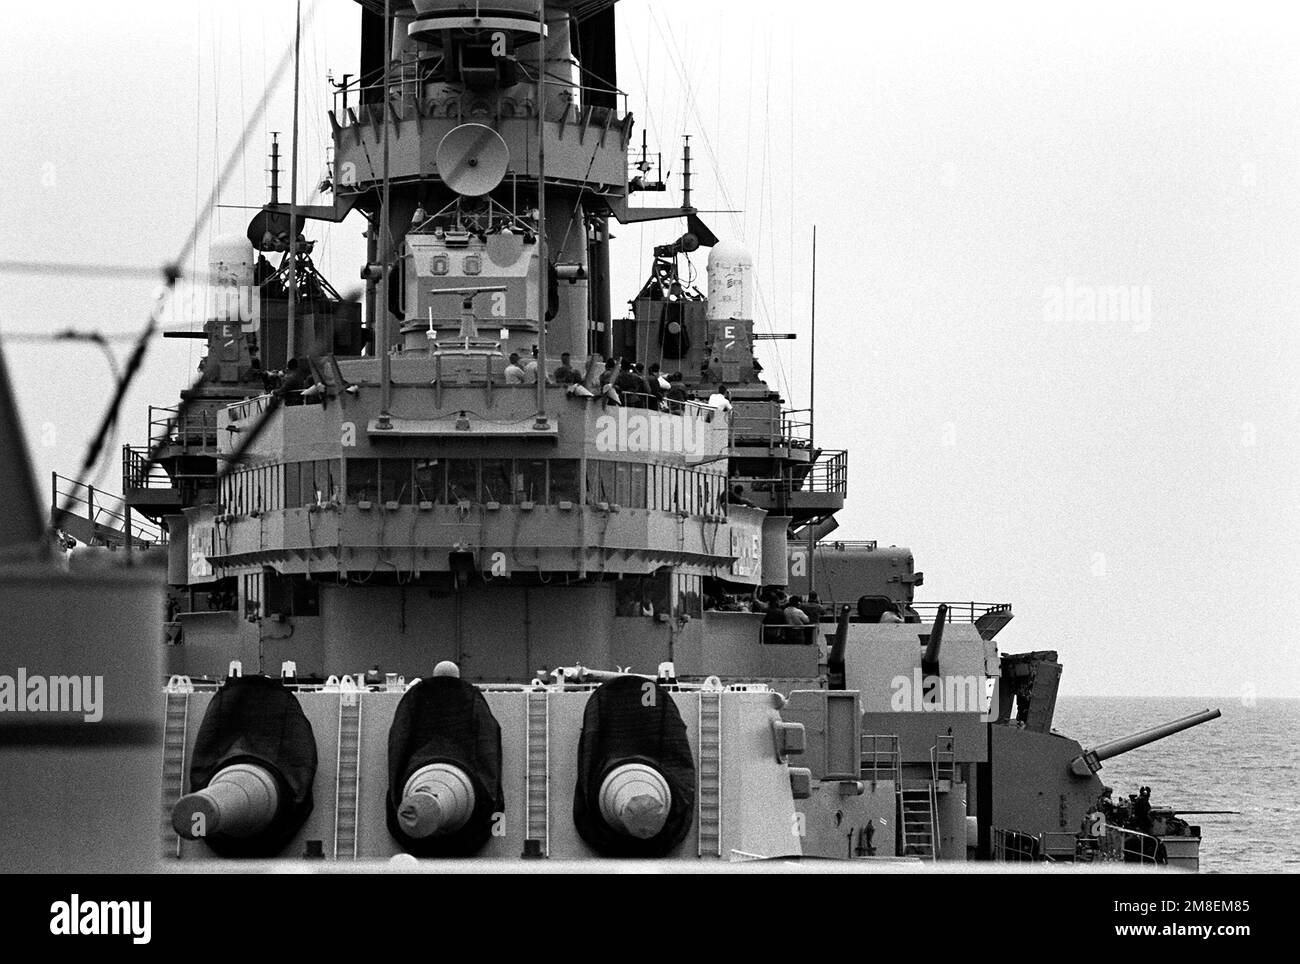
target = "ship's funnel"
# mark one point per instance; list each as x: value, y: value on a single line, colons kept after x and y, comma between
x: 240, y: 801
x: 1090, y: 761
x: 635, y: 799
x: 438, y: 800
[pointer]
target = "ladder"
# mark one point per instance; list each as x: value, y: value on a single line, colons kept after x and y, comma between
x: 943, y: 760
x: 708, y: 795
x: 537, y: 787
x: 175, y: 732
x: 347, y: 776
x: 916, y: 814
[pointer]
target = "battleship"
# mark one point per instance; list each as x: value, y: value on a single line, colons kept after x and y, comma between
x: 464, y: 565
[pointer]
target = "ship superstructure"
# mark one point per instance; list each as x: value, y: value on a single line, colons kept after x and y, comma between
x: 469, y: 567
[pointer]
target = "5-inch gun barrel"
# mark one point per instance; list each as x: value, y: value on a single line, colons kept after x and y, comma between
x: 1090, y: 761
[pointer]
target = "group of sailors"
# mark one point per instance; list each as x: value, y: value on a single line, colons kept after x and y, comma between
x: 632, y: 384
x: 1132, y: 814
x: 783, y: 614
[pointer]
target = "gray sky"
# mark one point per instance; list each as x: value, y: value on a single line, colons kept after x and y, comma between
x: 1126, y: 479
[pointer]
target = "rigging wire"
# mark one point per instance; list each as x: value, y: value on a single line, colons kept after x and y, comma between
x: 764, y: 313
x: 171, y: 273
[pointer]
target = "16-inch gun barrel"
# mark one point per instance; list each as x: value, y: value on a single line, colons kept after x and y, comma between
x: 1090, y: 761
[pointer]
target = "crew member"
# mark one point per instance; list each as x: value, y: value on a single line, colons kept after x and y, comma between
x: 514, y: 371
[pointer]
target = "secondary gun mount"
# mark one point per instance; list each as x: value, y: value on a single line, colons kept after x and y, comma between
x: 930, y: 659
x: 1089, y: 762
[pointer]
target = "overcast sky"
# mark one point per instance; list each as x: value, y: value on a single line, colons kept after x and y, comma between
x: 978, y: 175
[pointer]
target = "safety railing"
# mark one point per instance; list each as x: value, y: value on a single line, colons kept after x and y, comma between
x: 881, y: 758
x: 789, y: 428
x: 249, y: 408
x: 1014, y: 846
x: 958, y: 612
x: 943, y: 758
x: 103, y: 516
x: 138, y: 472
x: 409, y: 81
x: 191, y: 430
x: 1119, y: 845
x: 829, y: 474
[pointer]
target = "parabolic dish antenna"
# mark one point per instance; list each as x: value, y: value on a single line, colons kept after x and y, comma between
x: 472, y: 159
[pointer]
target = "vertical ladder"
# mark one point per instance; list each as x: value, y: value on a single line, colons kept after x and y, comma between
x: 175, y: 732
x: 943, y: 760
x: 537, y: 786
x: 916, y: 814
x: 347, y: 776
x: 708, y: 794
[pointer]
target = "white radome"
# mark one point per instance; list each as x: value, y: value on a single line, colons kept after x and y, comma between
x: 731, y: 271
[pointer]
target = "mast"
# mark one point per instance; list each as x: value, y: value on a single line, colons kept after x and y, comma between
x: 812, y: 406
x: 543, y: 272
x: 812, y: 348
x: 291, y: 342
x: 382, y: 330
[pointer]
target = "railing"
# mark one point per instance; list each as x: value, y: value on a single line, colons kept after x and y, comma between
x: 73, y: 501
x: 407, y: 83
x: 790, y: 428
x: 1014, y: 846
x: 1118, y: 845
x: 829, y: 475
x: 881, y: 758
x: 140, y: 473
x: 248, y: 408
x: 190, y: 430
x: 659, y: 403
x: 958, y: 612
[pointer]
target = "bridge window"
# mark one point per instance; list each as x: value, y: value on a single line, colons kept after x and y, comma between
x: 292, y: 481
x: 643, y: 596
x: 395, y: 480
x: 530, y: 480
x: 623, y: 483
x: 363, y: 480
x: 430, y: 480
x: 637, y: 497
x: 600, y: 481
x: 689, y: 600
x: 497, y: 483
x: 462, y: 480
x: 564, y: 480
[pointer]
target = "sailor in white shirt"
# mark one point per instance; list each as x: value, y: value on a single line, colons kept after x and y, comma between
x: 514, y: 373
x: 721, y: 399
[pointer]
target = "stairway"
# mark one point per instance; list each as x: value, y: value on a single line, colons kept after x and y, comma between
x: 347, y: 777
x: 538, y: 800
x: 916, y: 816
x: 175, y: 731
x: 708, y: 795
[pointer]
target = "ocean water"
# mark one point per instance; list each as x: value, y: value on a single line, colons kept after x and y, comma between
x: 1247, y: 760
